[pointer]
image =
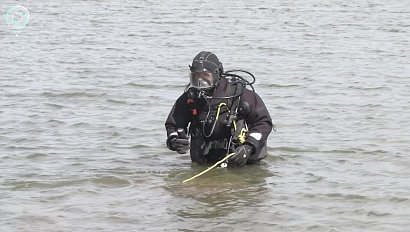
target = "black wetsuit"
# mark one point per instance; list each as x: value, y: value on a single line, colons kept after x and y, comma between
x: 207, y: 147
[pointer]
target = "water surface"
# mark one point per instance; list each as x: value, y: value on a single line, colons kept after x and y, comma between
x: 86, y: 87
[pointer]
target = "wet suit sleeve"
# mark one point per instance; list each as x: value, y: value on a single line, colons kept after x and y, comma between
x: 179, y: 117
x: 258, y: 120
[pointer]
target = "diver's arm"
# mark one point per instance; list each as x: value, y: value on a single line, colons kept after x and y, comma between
x: 258, y: 120
x: 179, y: 117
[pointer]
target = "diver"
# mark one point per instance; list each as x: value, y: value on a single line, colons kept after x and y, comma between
x: 220, y: 115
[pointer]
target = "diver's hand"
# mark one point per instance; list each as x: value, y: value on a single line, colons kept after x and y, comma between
x: 242, y: 154
x: 181, y: 145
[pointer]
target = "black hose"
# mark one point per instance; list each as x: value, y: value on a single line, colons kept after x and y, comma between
x: 231, y: 74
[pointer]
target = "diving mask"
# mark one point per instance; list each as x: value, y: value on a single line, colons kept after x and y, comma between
x: 202, y: 80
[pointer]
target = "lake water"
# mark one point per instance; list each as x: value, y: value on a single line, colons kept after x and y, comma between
x: 86, y: 87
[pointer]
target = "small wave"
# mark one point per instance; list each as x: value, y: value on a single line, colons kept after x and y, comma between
x: 281, y: 86
x: 275, y: 158
x: 399, y: 199
x: 115, y: 134
x: 377, y: 214
x: 23, y: 185
x: 346, y: 196
x: 314, y: 177
x: 310, y: 35
x: 13, y: 147
x: 371, y: 105
x: 117, y: 101
x: 153, y: 86
x: 375, y: 152
x: 57, y: 106
x: 110, y: 181
x: 80, y: 124
x: 346, y: 151
x: 309, y: 150
x: 36, y: 155
x: 370, y: 88
x: 55, y: 121
x: 72, y: 94
x: 393, y: 30
x: 292, y: 149
x: 169, y: 22
x: 137, y: 146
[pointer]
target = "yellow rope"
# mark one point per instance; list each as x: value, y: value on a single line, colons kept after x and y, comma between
x: 208, y: 169
x: 219, y: 162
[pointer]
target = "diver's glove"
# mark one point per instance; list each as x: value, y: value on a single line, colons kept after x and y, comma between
x: 242, y: 154
x: 181, y: 145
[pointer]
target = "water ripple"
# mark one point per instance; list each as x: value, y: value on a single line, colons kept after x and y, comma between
x: 86, y: 87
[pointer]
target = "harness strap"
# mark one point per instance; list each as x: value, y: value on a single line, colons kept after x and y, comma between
x: 220, y: 144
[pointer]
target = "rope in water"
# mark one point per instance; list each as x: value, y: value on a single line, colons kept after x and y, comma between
x: 208, y: 169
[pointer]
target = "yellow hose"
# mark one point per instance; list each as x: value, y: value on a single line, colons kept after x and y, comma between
x: 219, y: 110
x: 208, y: 169
x: 241, y: 140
